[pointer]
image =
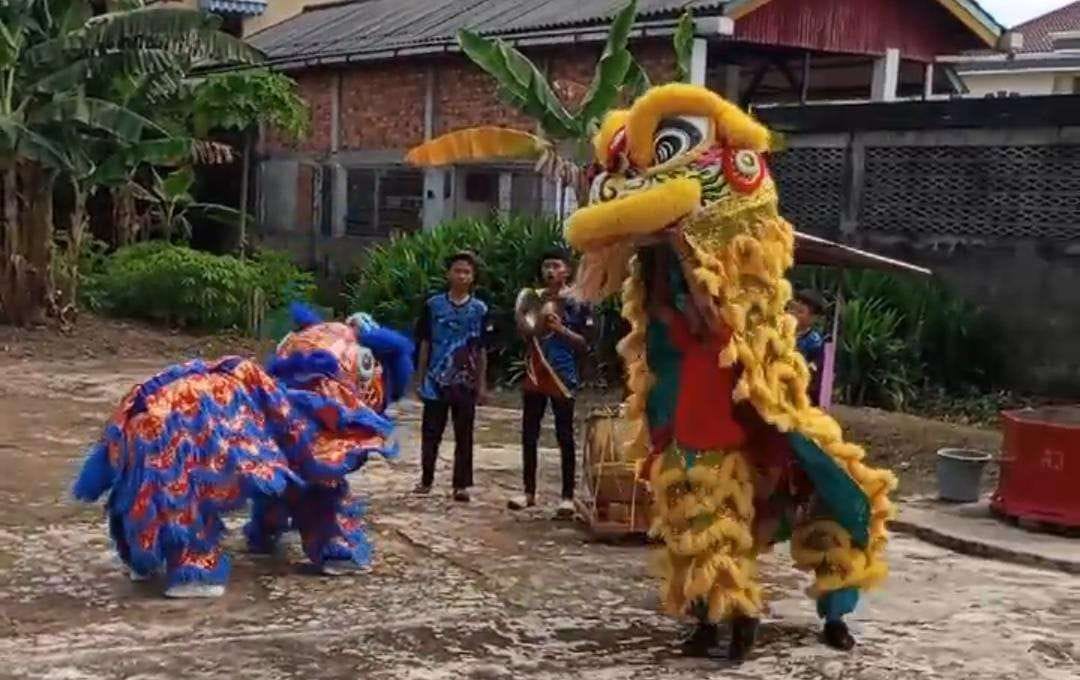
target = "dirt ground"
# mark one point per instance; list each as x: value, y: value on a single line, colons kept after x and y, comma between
x: 456, y: 591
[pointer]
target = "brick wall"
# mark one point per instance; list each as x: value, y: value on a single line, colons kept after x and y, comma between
x: 317, y: 89
x: 465, y: 97
x: 382, y: 106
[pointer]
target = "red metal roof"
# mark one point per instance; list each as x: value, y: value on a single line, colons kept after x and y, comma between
x: 921, y: 30
x: 1037, y: 31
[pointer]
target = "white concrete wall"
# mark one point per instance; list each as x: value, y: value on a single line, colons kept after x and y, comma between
x: 1021, y: 83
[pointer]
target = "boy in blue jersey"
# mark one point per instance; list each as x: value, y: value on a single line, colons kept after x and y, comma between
x: 452, y: 332
x: 551, y: 375
x: 806, y: 307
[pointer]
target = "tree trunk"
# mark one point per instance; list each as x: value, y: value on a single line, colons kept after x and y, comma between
x: 76, y: 235
x: 36, y: 239
x: 125, y: 224
x: 12, y: 303
x: 245, y: 176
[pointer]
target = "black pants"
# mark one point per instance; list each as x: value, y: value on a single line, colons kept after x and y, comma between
x: 432, y: 426
x: 532, y: 415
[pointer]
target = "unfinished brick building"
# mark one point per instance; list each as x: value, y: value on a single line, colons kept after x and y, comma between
x: 384, y: 75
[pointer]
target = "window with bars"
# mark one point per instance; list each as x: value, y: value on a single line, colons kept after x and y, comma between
x: 384, y: 201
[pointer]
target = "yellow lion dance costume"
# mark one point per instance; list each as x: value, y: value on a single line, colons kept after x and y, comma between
x: 683, y: 216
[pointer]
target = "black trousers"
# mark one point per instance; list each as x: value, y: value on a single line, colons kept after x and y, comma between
x: 532, y: 414
x: 432, y: 426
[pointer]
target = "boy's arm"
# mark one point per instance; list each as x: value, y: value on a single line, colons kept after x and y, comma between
x: 482, y: 365
x: 423, y: 337
x: 421, y: 364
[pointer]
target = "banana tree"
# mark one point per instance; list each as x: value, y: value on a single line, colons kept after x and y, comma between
x: 53, y: 56
x: 563, y: 145
x: 171, y: 204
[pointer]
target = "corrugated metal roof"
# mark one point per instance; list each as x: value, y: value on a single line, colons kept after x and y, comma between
x: 245, y: 7
x: 375, y: 25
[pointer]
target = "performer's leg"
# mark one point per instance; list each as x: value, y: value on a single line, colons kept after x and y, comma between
x: 841, y: 569
x: 704, y: 513
x: 432, y: 426
x: 332, y: 528
x: 199, y: 568
x: 269, y: 520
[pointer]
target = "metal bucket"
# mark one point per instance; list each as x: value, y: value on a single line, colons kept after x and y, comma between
x: 959, y: 472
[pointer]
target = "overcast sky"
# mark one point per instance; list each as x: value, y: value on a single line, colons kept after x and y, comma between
x: 1013, y: 12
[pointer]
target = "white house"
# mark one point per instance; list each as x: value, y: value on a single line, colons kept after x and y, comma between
x: 1039, y: 57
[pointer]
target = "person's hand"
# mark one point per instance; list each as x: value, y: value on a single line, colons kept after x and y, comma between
x: 553, y: 322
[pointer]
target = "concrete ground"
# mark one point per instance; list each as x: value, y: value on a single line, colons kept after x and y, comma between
x: 456, y: 591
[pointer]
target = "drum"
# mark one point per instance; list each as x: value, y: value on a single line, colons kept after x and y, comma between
x: 616, y: 500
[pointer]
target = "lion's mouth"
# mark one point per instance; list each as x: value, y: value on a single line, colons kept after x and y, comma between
x: 637, y: 215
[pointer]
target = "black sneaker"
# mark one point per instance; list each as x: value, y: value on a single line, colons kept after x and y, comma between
x: 421, y: 489
x: 461, y: 495
x: 701, y: 640
x: 743, y: 636
x: 838, y: 636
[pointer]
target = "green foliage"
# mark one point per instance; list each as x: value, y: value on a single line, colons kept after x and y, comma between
x: 162, y: 282
x: 241, y: 100
x: 396, y: 279
x: 907, y: 342
x: 171, y: 204
x: 684, y: 47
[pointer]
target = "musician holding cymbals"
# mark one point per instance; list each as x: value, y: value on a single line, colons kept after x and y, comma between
x: 554, y: 327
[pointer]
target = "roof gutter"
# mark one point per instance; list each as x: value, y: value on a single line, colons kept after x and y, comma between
x: 716, y: 27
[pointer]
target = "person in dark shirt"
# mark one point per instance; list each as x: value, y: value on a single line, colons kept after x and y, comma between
x: 806, y: 307
x: 452, y: 332
x: 551, y: 376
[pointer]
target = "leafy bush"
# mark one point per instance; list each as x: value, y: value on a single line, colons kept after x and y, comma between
x: 397, y: 277
x: 909, y: 342
x: 159, y: 281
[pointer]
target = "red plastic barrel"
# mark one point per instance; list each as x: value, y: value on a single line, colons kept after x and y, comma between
x: 1040, y: 467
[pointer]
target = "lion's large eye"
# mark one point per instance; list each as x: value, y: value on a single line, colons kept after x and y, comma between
x: 365, y: 365
x: 674, y: 137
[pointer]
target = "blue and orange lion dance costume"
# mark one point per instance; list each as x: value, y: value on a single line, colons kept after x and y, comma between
x: 202, y: 439
x: 683, y: 217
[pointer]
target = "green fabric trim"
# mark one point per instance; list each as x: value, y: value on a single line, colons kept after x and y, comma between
x: 846, y: 502
x: 664, y: 362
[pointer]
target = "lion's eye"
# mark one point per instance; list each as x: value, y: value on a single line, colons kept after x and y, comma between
x: 365, y: 365
x: 674, y: 137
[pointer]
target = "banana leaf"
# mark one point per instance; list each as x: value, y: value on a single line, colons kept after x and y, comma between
x: 611, y: 70
x: 684, y: 47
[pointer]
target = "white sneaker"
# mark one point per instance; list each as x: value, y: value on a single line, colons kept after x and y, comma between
x: 342, y: 568
x: 195, y: 590
x: 565, y: 509
x: 525, y: 500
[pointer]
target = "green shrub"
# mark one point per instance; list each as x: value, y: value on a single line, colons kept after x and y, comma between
x: 905, y: 337
x: 396, y: 279
x: 163, y: 282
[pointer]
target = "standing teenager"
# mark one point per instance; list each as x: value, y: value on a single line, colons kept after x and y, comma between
x: 551, y: 376
x: 452, y: 332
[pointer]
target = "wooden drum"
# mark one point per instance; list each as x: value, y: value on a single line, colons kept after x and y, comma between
x: 613, y: 501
